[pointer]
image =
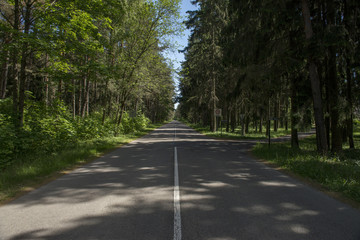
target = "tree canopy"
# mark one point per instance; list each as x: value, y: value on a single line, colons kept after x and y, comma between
x: 93, y: 59
x: 291, y: 62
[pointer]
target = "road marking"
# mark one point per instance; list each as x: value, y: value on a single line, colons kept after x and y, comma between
x: 177, y: 215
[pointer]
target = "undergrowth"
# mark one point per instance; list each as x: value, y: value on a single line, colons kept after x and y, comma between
x: 252, y: 134
x: 32, y: 169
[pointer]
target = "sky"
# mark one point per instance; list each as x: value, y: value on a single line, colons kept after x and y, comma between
x: 176, y: 57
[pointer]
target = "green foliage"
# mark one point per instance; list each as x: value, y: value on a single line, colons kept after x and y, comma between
x: 8, y: 135
x: 47, y: 128
x: 127, y: 124
x: 141, y: 122
x: 79, y: 63
x: 252, y: 134
x: 92, y: 128
x: 50, y: 129
x: 251, y: 59
x: 133, y: 124
x: 27, y: 173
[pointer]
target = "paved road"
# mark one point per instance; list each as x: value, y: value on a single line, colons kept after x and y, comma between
x: 224, y: 195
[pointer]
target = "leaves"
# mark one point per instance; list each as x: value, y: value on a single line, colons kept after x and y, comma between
x: 75, y: 68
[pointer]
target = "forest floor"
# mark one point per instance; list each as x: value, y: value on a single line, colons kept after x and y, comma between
x: 30, y: 172
x: 252, y: 134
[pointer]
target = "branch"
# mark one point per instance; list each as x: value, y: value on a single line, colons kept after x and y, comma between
x: 6, y: 19
x: 44, y: 10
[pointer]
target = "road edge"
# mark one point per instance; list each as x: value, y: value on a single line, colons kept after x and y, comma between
x: 33, y: 185
x: 308, y: 182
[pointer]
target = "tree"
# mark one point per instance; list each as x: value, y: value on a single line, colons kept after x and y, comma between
x: 265, y: 60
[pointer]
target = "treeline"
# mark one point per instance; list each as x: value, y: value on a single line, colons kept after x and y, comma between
x: 291, y: 62
x: 75, y: 69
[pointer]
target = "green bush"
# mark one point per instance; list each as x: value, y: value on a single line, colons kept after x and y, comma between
x: 7, y: 140
x: 88, y: 128
x: 136, y: 124
x: 49, y: 129
x: 141, y: 122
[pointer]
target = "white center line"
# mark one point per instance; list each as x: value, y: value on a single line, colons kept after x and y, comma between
x: 177, y: 215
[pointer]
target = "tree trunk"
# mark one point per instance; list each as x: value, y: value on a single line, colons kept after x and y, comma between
x: 315, y: 85
x: 228, y: 112
x: 46, y: 82
x: 336, y: 138
x: 109, y: 105
x: 4, y: 76
x: 88, y: 100
x: 294, y: 113
x: 24, y: 56
x: 213, y: 81
x: 242, y: 126
x: 350, y: 26
x: 327, y: 104
x: 14, y: 70
x: 349, y: 120
x: 286, y: 114
x: 79, y: 98
x: 233, y: 119
x: 213, y: 126
x: 121, y: 112
x: 268, y: 126
x: 276, y: 114
x: 242, y: 119
x: 247, y: 124
x: 85, y: 108
x: 74, y: 98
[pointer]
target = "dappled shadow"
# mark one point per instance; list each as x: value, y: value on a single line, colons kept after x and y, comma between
x: 128, y: 194
x: 234, y: 197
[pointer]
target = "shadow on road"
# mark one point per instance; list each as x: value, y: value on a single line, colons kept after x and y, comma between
x: 128, y: 194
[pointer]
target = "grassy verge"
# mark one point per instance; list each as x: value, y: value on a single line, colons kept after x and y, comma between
x: 237, y: 133
x: 32, y: 171
x: 335, y: 173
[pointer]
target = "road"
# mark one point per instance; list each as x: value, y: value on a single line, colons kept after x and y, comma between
x: 222, y: 194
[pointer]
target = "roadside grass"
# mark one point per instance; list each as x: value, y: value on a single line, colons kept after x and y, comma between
x: 33, y: 170
x: 335, y: 173
x: 237, y: 133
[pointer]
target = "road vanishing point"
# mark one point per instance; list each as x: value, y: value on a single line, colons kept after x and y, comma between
x: 175, y: 183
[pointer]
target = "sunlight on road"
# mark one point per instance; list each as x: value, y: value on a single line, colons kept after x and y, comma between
x: 277, y: 184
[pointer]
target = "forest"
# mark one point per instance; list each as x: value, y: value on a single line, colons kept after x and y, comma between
x: 74, y: 70
x: 288, y: 64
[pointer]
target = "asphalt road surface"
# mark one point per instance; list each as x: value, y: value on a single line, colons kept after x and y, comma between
x: 177, y: 184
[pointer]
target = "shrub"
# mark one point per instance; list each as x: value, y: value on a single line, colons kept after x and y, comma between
x: 47, y: 128
x: 136, y: 124
x: 141, y: 122
x: 7, y: 140
x: 127, y: 124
